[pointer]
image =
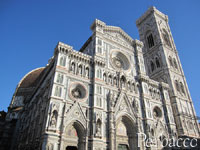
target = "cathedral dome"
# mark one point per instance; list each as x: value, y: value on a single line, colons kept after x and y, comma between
x: 29, y: 79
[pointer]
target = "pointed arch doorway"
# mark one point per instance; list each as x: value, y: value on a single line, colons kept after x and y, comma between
x: 126, y: 134
x: 75, y: 137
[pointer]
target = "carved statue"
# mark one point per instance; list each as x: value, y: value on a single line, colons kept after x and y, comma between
x: 54, y: 119
x: 98, y: 128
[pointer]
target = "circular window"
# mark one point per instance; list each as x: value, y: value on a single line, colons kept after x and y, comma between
x: 77, y: 91
x: 157, y: 113
x: 119, y: 60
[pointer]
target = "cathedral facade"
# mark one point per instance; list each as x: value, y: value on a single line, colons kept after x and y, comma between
x: 115, y: 93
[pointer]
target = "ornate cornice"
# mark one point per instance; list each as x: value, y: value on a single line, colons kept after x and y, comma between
x: 150, y: 11
x: 106, y: 28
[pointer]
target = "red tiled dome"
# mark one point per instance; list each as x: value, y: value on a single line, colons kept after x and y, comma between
x: 29, y: 79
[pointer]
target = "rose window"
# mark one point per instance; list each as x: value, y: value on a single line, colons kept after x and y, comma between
x: 157, y: 113
x: 119, y: 60
x: 78, y: 91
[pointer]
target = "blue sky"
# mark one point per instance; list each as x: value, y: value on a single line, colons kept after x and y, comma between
x: 30, y: 30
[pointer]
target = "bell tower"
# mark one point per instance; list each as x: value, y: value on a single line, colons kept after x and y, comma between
x: 163, y: 65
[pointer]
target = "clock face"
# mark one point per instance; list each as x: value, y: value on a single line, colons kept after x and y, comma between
x: 119, y: 60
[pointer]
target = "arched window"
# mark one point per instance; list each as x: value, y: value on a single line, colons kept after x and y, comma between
x: 177, y: 86
x: 100, y: 74
x: 97, y: 73
x: 170, y: 61
x: 73, y: 67
x: 123, y: 81
x: 114, y: 81
x: 104, y: 77
x: 62, y: 61
x: 166, y: 38
x: 80, y: 69
x: 87, y: 73
x: 58, y: 91
x: 150, y: 40
x: 175, y: 64
x: 152, y: 66
x: 182, y: 88
x: 59, y: 78
x: 157, y: 63
x: 110, y: 79
x: 99, y: 102
x: 128, y: 85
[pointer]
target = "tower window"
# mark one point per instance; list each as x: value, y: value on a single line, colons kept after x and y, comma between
x: 166, y: 38
x: 150, y: 40
x: 182, y: 88
x: 170, y: 61
x: 175, y: 64
x: 157, y: 63
x: 152, y: 66
x: 177, y: 86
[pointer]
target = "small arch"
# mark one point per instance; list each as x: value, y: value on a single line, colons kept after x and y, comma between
x: 170, y: 61
x: 182, y: 88
x: 75, y: 131
x: 125, y: 127
x: 98, y: 128
x: 104, y: 77
x: 73, y: 67
x: 62, y: 61
x: 115, y: 81
x: 80, y: 69
x: 58, y: 91
x: 177, y: 86
x: 166, y: 38
x: 157, y: 62
x: 152, y: 132
x: 123, y: 81
x: 175, y: 64
x: 128, y: 85
x: 110, y: 79
x: 152, y: 66
x: 59, y: 78
x: 87, y: 72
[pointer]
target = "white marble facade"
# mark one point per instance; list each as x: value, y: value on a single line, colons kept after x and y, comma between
x: 115, y: 87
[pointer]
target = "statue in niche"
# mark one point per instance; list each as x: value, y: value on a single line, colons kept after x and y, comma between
x: 73, y: 67
x: 80, y: 70
x: 98, y: 128
x: 136, y: 106
x: 87, y: 72
x: 111, y: 99
x: 54, y: 119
